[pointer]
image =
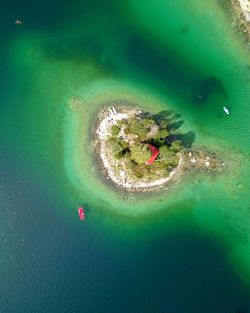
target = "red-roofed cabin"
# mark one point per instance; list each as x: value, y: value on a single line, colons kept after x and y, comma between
x: 155, y: 153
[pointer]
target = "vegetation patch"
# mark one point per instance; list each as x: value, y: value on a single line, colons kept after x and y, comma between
x: 143, y: 151
x: 127, y: 146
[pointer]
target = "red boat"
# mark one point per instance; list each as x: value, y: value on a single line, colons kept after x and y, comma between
x: 81, y: 213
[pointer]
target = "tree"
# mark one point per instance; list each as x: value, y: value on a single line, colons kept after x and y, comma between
x: 140, y: 153
x: 139, y: 171
x: 136, y: 127
x: 168, y: 157
x: 148, y: 123
x: 117, y: 151
x: 163, y: 124
x: 176, y: 146
x: 161, y: 134
x: 164, y: 152
x: 115, y: 130
x: 131, y: 145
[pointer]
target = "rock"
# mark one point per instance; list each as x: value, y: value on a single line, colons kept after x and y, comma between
x: 193, y: 160
x: 122, y: 173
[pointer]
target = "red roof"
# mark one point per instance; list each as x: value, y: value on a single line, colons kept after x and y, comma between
x: 155, y: 153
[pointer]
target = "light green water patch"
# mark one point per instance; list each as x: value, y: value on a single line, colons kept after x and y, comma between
x: 198, y: 31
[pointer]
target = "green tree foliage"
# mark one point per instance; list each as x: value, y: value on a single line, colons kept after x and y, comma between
x: 176, y: 146
x: 115, y: 130
x: 138, y: 171
x: 140, y: 153
x: 148, y: 123
x: 163, y: 124
x: 168, y: 158
x: 112, y: 139
x: 136, y: 127
x: 161, y: 134
x: 120, y: 148
x: 117, y: 151
x: 164, y: 152
x: 123, y: 144
x: 133, y: 148
x: 118, y: 155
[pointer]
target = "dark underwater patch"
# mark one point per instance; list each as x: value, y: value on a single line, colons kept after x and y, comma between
x: 166, y: 67
x: 206, y: 88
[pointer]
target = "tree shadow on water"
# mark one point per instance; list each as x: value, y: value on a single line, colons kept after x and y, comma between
x: 175, y: 125
x: 173, y: 119
x: 187, y: 139
x: 174, y: 122
x: 163, y: 115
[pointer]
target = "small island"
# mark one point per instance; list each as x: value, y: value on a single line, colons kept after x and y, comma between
x: 141, y: 151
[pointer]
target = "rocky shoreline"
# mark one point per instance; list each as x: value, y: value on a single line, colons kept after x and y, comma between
x: 241, y: 10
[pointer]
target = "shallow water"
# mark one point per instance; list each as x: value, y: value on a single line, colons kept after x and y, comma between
x: 185, y: 250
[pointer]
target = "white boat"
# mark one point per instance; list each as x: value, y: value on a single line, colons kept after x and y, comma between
x: 226, y: 110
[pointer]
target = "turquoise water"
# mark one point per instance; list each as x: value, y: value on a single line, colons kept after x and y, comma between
x: 186, y: 250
